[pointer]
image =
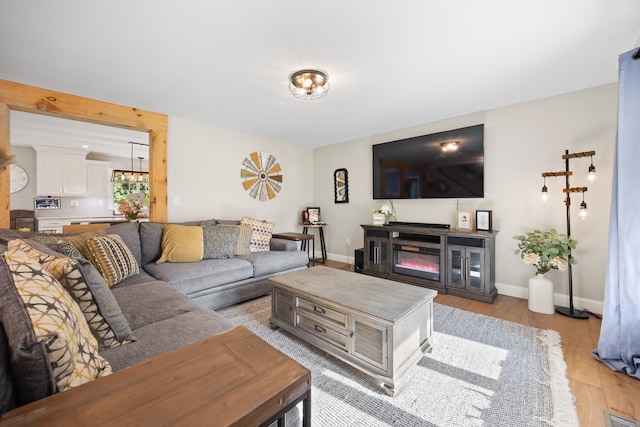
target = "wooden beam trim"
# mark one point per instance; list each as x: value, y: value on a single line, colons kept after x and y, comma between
x: 31, y: 99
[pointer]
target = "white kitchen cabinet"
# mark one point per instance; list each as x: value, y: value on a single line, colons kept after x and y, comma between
x: 98, y: 178
x: 60, y: 172
x: 52, y: 225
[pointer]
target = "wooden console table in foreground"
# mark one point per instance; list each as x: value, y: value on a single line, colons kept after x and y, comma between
x: 230, y: 379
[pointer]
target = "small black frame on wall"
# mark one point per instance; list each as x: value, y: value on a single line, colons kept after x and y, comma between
x: 484, y: 221
x: 341, y: 185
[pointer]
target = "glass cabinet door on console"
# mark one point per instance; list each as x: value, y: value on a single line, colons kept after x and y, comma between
x: 465, y: 268
x: 376, y: 251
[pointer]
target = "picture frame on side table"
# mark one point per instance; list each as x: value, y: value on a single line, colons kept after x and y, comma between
x: 314, y: 215
x: 463, y: 220
x: 484, y: 221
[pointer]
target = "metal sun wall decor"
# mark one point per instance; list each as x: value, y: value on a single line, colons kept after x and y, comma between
x: 262, y: 176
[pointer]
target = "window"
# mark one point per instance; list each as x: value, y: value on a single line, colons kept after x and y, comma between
x: 126, y: 182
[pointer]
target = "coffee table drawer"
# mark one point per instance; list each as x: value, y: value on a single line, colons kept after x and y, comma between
x: 321, y: 331
x: 340, y: 319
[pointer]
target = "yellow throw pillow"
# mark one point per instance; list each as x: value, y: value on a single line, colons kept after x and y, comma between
x: 181, y: 243
x: 57, y: 321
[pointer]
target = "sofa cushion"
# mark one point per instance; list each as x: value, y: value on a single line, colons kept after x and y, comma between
x: 151, y: 302
x: 166, y: 335
x: 88, y: 289
x: 268, y: 263
x: 130, y: 235
x: 208, y: 273
x: 219, y: 241
x: 150, y: 241
x: 57, y: 321
x: 7, y: 394
x: 261, y: 233
x: 112, y: 258
x: 181, y: 243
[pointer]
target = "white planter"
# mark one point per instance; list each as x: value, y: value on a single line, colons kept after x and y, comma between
x: 379, y: 219
x: 541, y: 295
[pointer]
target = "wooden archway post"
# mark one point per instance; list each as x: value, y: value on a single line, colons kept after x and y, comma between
x: 16, y: 96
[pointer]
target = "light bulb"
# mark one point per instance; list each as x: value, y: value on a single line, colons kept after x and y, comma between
x: 592, y: 172
x: 583, y: 210
x: 545, y: 193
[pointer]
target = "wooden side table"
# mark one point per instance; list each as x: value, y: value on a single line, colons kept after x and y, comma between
x: 323, y: 247
x: 299, y: 237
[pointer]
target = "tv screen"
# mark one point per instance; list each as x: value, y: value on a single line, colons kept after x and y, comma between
x: 441, y: 165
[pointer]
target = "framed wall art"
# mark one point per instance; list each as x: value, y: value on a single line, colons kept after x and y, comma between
x: 341, y: 186
x: 483, y: 221
x: 463, y: 221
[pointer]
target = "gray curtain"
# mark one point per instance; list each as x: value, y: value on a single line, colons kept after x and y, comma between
x: 619, y: 343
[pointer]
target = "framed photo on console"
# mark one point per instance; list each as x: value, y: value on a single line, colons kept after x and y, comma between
x: 483, y: 221
x: 463, y: 220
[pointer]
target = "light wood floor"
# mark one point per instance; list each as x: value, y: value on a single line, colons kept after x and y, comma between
x: 596, y: 388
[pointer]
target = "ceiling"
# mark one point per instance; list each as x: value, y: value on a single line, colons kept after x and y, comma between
x: 391, y: 65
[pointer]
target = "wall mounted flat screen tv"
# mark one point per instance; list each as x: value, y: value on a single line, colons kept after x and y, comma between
x: 437, y: 166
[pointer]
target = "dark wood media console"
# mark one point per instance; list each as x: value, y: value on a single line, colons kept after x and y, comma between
x: 456, y: 262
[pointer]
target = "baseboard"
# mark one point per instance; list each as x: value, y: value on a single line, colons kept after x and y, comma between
x: 594, y: 306
x: 562, y: 300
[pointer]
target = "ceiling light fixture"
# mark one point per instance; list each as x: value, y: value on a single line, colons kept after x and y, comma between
x: 309, y: 84
x: 449, y: 146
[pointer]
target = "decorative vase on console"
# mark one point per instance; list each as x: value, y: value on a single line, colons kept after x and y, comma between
x: 381, y: 216
x: 545, y: 250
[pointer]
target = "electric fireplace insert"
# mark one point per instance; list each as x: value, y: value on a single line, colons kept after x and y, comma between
x: 417, y: 261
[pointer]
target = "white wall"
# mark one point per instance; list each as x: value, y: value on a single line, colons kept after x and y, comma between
x: 204, y: 166
x: 521, y: 142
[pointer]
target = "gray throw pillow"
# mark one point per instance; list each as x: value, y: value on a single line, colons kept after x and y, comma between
x: 219, y: 242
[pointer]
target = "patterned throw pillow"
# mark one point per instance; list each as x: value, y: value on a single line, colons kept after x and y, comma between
x: 80, y: 240
x: 112, y: 258
x: 244, y: 238
x: 219, y: 242
x: 181, y: 243
x: 89, y: 290
x: 58, y: 322
x: 261, y: 232
x: 59, y: 245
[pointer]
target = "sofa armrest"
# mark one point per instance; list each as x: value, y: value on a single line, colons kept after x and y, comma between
x: 283, y: 245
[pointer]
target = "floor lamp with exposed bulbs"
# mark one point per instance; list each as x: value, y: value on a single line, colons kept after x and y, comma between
x: 571, y: 311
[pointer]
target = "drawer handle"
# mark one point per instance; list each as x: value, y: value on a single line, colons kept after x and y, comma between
x: 318, y: 309
x: 320, y: 329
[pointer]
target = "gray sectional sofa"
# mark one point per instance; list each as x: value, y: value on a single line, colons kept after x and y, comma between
x: 166, y: 306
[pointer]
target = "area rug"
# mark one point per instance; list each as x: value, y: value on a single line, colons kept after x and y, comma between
x: 482, y: 371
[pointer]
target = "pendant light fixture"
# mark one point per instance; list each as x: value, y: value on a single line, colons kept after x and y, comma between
x: 309, y: 84
x: 132, y: 175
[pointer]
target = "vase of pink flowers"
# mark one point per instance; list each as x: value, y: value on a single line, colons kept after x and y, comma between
x: 131, y: 209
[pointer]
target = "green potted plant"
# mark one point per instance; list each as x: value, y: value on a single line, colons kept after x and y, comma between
x: 545, y: 250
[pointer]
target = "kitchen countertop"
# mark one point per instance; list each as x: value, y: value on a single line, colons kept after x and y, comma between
x: 84, y: 219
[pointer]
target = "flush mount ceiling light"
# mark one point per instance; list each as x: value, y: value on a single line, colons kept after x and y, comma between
x: 450, y: 145
x: 308, y: 84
